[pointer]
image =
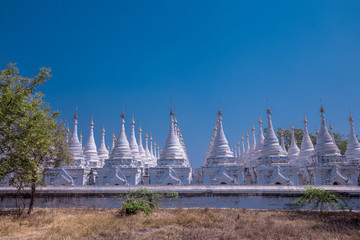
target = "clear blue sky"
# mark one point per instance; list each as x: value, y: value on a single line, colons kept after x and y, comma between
x: 204, y: 53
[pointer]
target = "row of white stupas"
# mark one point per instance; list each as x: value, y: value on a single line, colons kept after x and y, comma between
x: 265, y: 161
x: 90, y: 156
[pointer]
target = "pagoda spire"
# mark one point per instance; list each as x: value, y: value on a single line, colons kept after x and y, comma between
x: 103, y: 152
x: 122, y: 153
x: 91, y: 154
x: 74, y: 136
x: 271, y: 146
x: 247, y: 149
x: 81, y: 138
x: 141, y: 148
x: 353, y: 146
x: 253, y: 140
x: 293, y: 150
x: 148, y: 159
x: 307, y: 147
x: 220, y: 147
x: 211, y: 142
x: 132, y: 141
x: 325, y: 145
x: 260, y: 140
x: 151, y: 148
x: 113, y: 142
x: 155, y: 153
x: 75, y: 145
x: 172, y: 154
x: 242, y: 154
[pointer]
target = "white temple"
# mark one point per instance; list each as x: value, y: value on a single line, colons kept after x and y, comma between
x: 262, y: 160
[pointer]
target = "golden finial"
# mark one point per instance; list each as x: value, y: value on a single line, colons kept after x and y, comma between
x: 67, y: 129
x: 305, y: 120
x: 150, y: 138
x: 113, y: 136
x: 81, y: 136
x: 172, y: 111
x: 175, y: 121
x: 260, y: 121
x: 217, y: 120
x: 133, y: 121
x: 158, y: 147
x: 268, y: 110
x: 350, y: 117
x: 331, y: 126
x: 281, y: 134
x: 247, y: 135
x: 219, y: 112
x: 92, y: 122
x: 235, y: 147
x: 242, y: 137
x: 76, y: 115
x: 215, y: 128
x: 317, y: 132
x: 211, y: 138
x: 322, y: 109
x: 140, y: 130
x: 103, y: 130
x: 146, y: 135
x: 292, y: 126
x: 238, y: 143
x: 178, y: 129
x: 108, y: 148
x: 155, y: 144
x: 253, y: 128
x: 180, y: 135
x: 123, y: 113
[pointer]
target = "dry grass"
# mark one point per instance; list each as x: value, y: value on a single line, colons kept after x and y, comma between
x: 180, y: 224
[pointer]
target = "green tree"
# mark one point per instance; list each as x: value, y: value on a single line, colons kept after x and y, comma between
x: 340, y: 141
x: 31, y: 138
x: 318, y: 198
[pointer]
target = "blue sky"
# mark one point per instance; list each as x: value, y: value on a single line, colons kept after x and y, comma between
x: 239, y: 54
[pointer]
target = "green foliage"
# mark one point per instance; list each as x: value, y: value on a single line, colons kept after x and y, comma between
x: 299, y: 133
x: 318, y: 198
x: 340, y: 142
x: 143, y: 200
x: 132, y: 206
x: 31, y: 138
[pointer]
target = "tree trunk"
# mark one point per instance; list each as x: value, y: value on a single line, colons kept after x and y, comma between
x: 32, y: 200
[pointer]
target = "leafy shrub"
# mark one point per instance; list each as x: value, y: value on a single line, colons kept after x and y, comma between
x: 318, y: 198
x: 134, y: 205
x: 143, y: 200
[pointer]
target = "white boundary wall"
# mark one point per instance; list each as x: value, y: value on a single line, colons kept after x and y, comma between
x: 190, y: 196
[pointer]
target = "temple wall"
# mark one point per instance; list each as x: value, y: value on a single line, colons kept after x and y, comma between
x: 191, y: 196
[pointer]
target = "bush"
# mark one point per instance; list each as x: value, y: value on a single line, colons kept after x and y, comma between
x: 318, y: 198
x: 143, y: 200
x: 134, y: 205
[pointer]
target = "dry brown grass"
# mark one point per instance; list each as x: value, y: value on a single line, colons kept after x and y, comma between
x: 180, y: 224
